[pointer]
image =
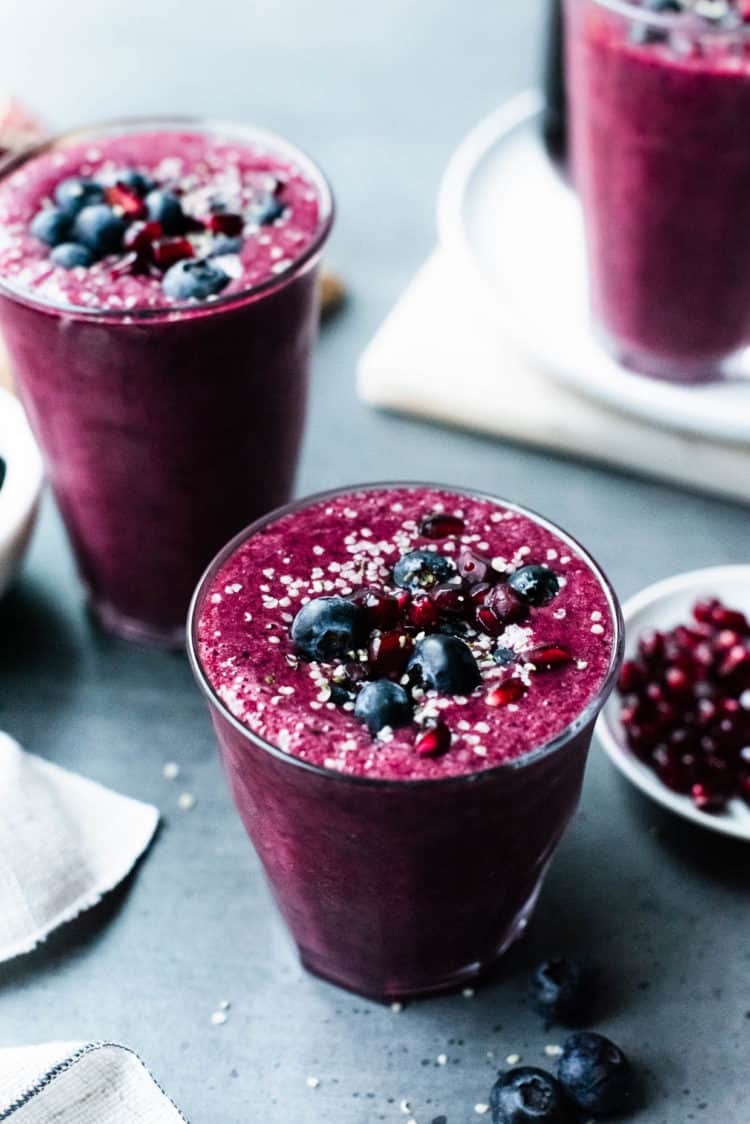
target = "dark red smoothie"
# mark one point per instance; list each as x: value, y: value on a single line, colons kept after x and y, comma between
x: 158, y: 301
x: 403, y: 681
x: 660, y: 116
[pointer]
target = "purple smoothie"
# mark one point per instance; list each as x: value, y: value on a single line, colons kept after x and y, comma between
x: 167, y: 421
x: 660, y: 115
x: 403, y: 863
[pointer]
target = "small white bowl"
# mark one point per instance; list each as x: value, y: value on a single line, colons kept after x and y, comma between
x: 662, y: 606
x: 19, y: 493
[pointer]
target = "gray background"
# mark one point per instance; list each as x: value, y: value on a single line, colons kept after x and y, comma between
x: 380, y: 93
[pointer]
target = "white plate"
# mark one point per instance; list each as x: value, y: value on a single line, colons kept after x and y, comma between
x: 662, y: 606
x: 19, y: 493
x: 512, y: 217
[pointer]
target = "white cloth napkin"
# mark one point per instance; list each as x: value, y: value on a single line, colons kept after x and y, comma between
x: 74, y: 1083
x: 64, y: 843
x: 435, y: 356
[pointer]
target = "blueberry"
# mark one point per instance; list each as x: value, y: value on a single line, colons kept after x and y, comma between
x: 68, y: 255
x: 74, y: 193
x: 503, y: 655
x: 99, y: 229
x: 51, y: 225
x: 268, y: 210
x: 133, y: 179
x: 193, y: 279
x: 327, y: 628
x: 422, y: 569
x: 536, y: 585
x: 594, y: 1073
x: 382, y: 703
x: 556, y: 989
x: 165, y: 208
x: 445, y: 664
x: 223, y: 244
x: 528, y: 1096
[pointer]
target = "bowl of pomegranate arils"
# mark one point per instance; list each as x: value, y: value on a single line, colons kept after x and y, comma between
x: 678, y: 725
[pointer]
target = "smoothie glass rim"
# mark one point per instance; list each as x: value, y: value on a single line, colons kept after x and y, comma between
x: 589, y: 712
x: 206, y: 126
x: 638, y: 14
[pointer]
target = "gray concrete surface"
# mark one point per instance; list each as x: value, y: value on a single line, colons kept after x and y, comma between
x: 381, y: 94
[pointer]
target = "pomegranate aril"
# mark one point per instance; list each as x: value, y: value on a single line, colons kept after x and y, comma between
x: 706, y: 799
x: 508, y: 692
x: 506, y: 605
x: 677, y: 681
x: 642, y: 736
x: 655, y: 692
x: 451, y: 600
x: 728, y: 639
x: 167, y: 251
x: 681, y: 740
x: 488, y: 622
x: 473, y: 568
x: 480, y: 592
x: 703, y: 610
x: 629, y: 713
x: 226, y: 222
x: 632, y: 676
x: 671, y: 770
x: 441, y: 526
x: 651, y: 646
x: 389, y: 653
x: 382, y: 609
x: 550, y: 657
x: 423, y: 613
x: 403, y: 597
x: 126, y: 201
x: 733, y: 619
x: 434, y: 741
x: 706, y: 712
x: 140, y: 237
x: 736, y: 664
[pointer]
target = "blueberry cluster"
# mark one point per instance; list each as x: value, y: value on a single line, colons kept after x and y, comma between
x: 413, y: 633
x: 593, y: 1078
x: 145, y: 223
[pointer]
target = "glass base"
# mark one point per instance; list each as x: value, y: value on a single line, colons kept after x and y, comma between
x: 138, y: 632
x: 414, y: 987
x: 692, y: 370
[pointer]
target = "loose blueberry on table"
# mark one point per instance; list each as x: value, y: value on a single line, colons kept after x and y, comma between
x: 528, y: 1095
x: 686, y: 705
x: 594, y: 1073
x: 556, y: 990
x: 142, y: 227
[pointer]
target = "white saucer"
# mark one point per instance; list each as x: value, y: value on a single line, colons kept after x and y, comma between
x: 662, y: 606
x: 512, y: 217
x: 19, y: 492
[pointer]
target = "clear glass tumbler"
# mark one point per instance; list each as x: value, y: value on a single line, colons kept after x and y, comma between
x: 402, y: 888
x: 660, y: 119
x: 166, y: 430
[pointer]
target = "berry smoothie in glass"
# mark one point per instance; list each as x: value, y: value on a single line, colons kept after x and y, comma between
x: 158, y: 301
x: 403, y: 680
x: 659, y: 97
